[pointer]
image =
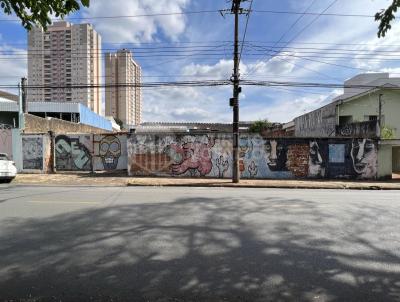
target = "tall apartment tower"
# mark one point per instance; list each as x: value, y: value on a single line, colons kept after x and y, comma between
x: 123, y: 102
x: 65, y: 55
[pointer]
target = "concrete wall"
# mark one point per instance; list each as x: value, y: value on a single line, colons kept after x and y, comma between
x: 6, y: 141
x: 385, y: 162
x: 209, y: 155
x: 34, y: 124
x: 396, y: 159
x: 369, y: 105
x: 318, y: 123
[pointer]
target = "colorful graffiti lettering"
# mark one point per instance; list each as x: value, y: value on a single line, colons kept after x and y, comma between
x: 71, y: 155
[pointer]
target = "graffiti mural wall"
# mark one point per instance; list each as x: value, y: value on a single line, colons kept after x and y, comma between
x: 73, y: 152
x: 210, y: 155
x: 32, y: 153
x: 110, y: 152
x: 6, y: 141
x: 180, y: 155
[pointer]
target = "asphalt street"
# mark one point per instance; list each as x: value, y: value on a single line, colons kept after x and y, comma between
x: 198, y: 244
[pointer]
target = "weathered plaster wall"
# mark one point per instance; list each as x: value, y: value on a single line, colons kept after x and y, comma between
x: 6, y: 141
x: 209, y: 155
x: 35, y: 124
x: 318, y: 123
x: 385, y: 161
x: 396, y: 159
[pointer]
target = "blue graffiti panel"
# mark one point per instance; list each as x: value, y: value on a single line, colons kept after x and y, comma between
x: 336, y: 153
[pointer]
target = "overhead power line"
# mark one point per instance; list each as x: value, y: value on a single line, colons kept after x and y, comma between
x: 245, y: 30
x: 301, y: 31
x: 203, y: 12
x: 211, y: 83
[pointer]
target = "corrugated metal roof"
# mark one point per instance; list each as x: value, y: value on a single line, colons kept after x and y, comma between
x: 42, y: 107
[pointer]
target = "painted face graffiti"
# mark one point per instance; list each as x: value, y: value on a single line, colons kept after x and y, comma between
x: 110, y: 152
x: 276, y: 156
x: 363, y: 155
x: 315, y: 163
x: 191, y: 156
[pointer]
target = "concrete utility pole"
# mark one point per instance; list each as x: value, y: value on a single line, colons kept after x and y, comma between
x: 380, y: 115
x: 234, y: 102
x: 23, y: 95
x: 23, y: 108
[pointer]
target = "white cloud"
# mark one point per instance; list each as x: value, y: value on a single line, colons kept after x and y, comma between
x: 185, y: 104
x: 223, y: 68
x: 141, y: 29
x: 286, y: 107
x: 220, y: 70
x: 12, y: 67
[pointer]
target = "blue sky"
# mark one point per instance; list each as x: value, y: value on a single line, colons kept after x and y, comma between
x: 196, y: 36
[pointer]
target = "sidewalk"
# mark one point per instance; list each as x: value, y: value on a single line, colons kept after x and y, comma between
x: 101, y: 179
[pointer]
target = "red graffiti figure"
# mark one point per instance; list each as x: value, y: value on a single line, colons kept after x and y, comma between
x: 191, y: 156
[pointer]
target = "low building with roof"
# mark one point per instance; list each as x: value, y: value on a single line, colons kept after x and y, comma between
x: 368, y: 108
x: 71, y: 112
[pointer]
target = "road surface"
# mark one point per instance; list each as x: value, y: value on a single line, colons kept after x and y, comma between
x: 198, y: 244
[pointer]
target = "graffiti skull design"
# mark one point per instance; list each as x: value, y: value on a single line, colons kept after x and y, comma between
x: 110, y: 152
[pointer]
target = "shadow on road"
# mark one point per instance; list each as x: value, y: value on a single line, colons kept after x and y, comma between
x: 199, y: 249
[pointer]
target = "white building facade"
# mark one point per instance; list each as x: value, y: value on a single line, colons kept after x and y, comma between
x: 65, y: 55
x: 123, y: 99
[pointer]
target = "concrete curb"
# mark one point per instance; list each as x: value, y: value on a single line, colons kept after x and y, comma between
x: 115, y: 181
x: 344, y: 187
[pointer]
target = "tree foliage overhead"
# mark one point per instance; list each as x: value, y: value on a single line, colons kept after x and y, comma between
x: 38, y: 12
x: 385, y: 17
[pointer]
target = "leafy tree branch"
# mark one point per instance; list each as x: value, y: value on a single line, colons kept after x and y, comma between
x: 38, y: 12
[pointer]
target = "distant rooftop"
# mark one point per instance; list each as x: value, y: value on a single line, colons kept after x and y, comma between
x: 6, y: 96
x: 366, y: 79
x: 188, y: 126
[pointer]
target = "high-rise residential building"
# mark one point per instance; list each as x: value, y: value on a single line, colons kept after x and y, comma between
x: 65, y: 55
x: 123, y: 93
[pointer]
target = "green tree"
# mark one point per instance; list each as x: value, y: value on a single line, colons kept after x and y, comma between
x: 38, y: 12
x: 385, y: 18
x: 119, y: 122
x: 260, y: 125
